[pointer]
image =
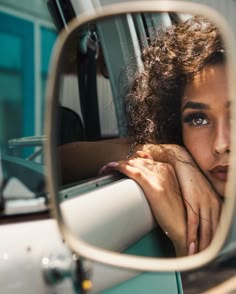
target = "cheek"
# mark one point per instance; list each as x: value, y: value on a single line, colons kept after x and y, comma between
x: 198, y: 146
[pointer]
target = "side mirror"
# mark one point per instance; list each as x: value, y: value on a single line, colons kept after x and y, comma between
x: 90, y: 208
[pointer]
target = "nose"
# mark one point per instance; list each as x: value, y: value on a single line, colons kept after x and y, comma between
x: 221, y: 142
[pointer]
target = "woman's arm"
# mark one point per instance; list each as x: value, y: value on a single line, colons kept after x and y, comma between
x: 160, y: 185
x: 202, y: 203
x: 82, y: 160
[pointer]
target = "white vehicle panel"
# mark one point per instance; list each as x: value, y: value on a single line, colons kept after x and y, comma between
x: 22, y: 247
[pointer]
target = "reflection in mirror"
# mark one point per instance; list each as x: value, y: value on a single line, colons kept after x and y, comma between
x: 144, y: 96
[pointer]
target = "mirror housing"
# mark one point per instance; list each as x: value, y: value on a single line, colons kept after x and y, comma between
x: 225, y: 235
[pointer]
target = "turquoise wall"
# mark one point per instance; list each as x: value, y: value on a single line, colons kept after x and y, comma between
x: 26, y: 44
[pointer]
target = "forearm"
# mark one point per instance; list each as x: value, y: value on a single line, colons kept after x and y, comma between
x: 81, y: 160
x: 168, y: 153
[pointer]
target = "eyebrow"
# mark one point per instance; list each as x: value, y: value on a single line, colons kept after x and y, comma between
x: 199, y: 105
x: 195, y: 105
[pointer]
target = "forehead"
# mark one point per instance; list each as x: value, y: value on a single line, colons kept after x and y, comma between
x: 208, y: 85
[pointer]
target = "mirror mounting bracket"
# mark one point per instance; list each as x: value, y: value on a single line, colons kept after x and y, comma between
x: 58, y: 267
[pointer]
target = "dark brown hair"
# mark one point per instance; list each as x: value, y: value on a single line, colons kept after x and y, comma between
x: 170, y: 61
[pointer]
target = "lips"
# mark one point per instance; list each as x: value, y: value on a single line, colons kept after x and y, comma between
x: 220, y: 172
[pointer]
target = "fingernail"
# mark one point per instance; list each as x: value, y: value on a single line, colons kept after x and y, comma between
x: 191, y: 249
x: 145, y: 155
x: 109, y: 164
x: 112, y: 164
x: 100, y: 172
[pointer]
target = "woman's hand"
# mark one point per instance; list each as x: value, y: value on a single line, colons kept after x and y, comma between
x: 202, y: 203
x: 160, y: 185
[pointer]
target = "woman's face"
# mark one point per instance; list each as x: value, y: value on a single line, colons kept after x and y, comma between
x: 206, y: 125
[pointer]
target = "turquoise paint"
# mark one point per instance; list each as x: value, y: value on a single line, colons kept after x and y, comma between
x: 158, y: 283
x: 154, y: 244
x: 11, y: 87
x: 14, y: 27
x: 48, y: 38
x: 17, y: 70
x: 179, y: 283
x: 11, y: 48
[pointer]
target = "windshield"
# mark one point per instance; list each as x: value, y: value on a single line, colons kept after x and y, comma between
x: 27, y: 36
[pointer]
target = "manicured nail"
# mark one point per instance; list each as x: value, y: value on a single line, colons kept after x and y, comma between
x: 100, y: 172
x: 112, y: 164
x: 191, y: 249
x: 109, y: 164
x: 145, y: 155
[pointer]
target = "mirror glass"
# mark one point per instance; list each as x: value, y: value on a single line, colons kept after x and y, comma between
x: 148, y: 94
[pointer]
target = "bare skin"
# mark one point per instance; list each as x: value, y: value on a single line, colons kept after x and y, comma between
x: 182, y: 184
x: 160, y: 185
x: 203, y: 204
x: 197, y: 197
x: 188, y: 187
x: 205, y: 125
x: 75, y: 155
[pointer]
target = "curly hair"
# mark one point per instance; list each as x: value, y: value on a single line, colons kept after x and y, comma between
x: 153, y: 106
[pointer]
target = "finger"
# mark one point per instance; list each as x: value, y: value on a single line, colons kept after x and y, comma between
x: 192, y: 230
x: 215, y: 217
x: 143, y: 154
x: 106, y: 168
x: 126, y: 167
x: 142, y: 176
x: 140, y: 168
x: 132, y: 171
x: 205, y: 232
x: 144, y: 164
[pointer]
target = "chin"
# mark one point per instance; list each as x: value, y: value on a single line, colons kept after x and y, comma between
x: 220, y: 189
x: 219, y: 186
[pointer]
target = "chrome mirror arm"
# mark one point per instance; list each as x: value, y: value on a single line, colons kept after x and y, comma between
x: 58, y: 267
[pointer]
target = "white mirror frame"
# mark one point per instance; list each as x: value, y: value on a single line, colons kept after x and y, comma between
x: 227, y: 222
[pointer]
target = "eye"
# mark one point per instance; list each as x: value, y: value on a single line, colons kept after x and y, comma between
x: 199, y: 121
x: 196, y: 119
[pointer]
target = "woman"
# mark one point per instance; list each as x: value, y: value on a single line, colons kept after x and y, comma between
x: 178, y: 119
